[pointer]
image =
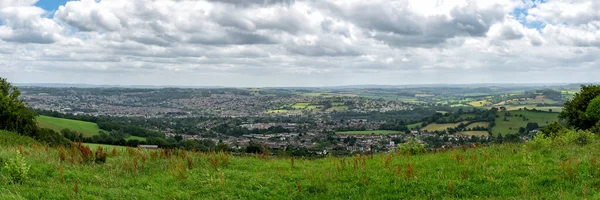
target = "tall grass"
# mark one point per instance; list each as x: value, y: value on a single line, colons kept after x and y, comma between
x: 504, y: 171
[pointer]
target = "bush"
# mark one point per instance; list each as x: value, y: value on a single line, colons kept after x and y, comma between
x: 17, y: 169
x: 412, y: 146
x: 571, y: 136
x: 540, y: 141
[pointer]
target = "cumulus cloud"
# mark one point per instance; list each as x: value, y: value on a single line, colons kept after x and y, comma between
x: 299, y: 42
x: 23, y: 22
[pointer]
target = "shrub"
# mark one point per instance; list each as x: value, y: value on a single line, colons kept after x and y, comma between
x: 570, y: 136
x: 540, y: 141
x: 17, y: 169
x: 412, y: 146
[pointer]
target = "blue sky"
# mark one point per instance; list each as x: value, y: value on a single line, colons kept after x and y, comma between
x: 50, y: 5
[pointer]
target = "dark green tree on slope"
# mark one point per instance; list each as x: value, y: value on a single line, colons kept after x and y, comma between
x: 14, y: 116
x: 582, y: 111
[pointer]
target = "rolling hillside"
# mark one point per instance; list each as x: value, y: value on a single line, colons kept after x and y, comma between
x: 88, y: 129
x: 508, y: 171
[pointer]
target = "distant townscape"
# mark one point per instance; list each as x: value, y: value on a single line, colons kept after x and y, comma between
x: 300, y: 121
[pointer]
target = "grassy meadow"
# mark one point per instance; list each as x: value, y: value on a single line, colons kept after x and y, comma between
x: 507, y: 171
x: 88, y: 129
x: 515, y: 121
x: 441, y: 127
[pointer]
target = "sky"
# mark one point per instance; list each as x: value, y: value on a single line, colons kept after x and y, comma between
x: 283, y: 43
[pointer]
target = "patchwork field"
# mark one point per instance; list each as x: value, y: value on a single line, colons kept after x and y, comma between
x: 474, y: 133
x: 337, y: 108
x: 480, y: 124
x: 88, y: 129
x: 277, y: 111
x: 441, y: 127
x: 480, y: 103
x: 515, y: 121
x: 376, y: 132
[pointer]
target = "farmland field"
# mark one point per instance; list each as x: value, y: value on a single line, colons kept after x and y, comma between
x: 441, y: 127
x: 300, y: 105
x: 413, y: 126
x: 278, y: 111
x: 480, y: 124
x: 474, y: 133
x: 376, y: 132
x: 337, y: 108
x: 515, y: 121
x: 88, y: 129
x: 480, y: 103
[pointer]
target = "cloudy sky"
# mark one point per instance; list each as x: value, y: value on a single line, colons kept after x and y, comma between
x: 299, y: 43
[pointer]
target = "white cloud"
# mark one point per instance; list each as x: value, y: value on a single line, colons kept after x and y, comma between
x: 287, y: 42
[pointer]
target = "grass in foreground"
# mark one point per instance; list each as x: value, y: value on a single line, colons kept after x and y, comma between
x: 88, y: 129
x: 501, y: 172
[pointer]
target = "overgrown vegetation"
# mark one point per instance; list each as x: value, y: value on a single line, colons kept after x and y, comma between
x: 500, y: 171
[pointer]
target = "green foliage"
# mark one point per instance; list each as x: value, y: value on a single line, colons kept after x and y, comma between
x: 570, y: 136
x: 17, y: 169
x: 14, y: 116
x: 51, y: 137
x: 540, y: 141
x: 593, y: 109
x: 412, y: 146
x: 8, y: 139
x: 575, y: 111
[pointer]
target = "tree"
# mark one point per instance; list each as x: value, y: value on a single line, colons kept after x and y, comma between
x: 575, y: 110
x: 14, y: 116
x: 593, y: 109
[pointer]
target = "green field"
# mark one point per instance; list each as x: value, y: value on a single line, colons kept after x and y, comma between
x: 135, y: 138
x: 337, y: 109
x: 507, y: 171
x: 277, y: 111
x: 474, y: 133
x: 441, y: 127
x: 300, y: 105
x: 515, y: 122
x: 413, y: 126
x: 376, y: 132
x: 88, y: 129
x: 480, y: 124
x: 106, y: 147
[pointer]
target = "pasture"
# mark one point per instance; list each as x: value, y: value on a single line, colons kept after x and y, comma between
x: 515, y: 121
x: 476, y: 124
x: 474, y: 133
x: 441, y: 127
x: 479, y: 103
x: 88, y: 129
